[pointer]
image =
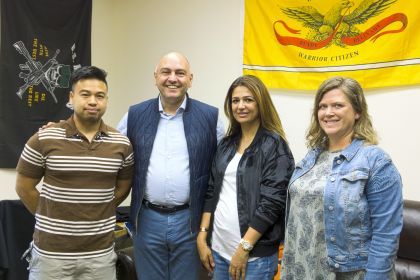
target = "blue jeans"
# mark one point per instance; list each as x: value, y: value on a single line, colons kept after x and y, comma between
x: 263, y: 268
x: 164, y: 247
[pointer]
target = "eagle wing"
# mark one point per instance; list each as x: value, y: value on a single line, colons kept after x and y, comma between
x: 366, y: 10
x: 308, y: 15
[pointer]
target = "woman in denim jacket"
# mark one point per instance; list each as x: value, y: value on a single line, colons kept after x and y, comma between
x: 345, y: 198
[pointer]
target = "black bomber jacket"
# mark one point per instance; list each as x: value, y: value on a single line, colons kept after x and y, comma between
x: 262, y: 178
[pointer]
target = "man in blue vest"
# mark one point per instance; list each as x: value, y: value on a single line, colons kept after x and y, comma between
x: 174, y: 139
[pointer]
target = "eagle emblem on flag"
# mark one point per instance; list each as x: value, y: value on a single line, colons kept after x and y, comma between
x: 338, y: 25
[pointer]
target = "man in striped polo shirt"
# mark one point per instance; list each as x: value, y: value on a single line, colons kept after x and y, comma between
x: 86, y: 167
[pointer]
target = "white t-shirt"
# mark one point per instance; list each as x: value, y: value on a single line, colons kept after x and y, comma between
x: 226, y: 233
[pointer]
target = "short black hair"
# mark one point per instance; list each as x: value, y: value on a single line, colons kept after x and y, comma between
x: 88, y: 72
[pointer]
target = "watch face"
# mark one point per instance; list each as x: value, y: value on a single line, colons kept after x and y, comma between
x: 246, y: 246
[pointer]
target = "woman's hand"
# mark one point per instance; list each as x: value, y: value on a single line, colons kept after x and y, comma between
x: 238, y: 264
x: 204, y: 251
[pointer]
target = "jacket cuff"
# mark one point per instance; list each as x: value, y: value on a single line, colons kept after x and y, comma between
x: 376, y: 275
x: 259, y: 224
x: 208, y: 207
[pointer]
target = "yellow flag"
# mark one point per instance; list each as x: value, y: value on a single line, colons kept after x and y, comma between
x: 297, y: 44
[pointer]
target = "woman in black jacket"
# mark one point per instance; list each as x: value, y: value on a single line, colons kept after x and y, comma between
x: 243, y: 216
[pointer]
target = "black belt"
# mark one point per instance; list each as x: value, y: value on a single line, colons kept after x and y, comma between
x: 163, y: 208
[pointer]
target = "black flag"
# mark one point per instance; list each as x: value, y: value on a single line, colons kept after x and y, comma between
x: 42, y: 43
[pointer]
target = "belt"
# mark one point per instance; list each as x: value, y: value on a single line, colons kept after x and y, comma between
x: 165, y: 209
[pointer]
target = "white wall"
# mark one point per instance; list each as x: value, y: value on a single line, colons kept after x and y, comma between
x: 129, y: 37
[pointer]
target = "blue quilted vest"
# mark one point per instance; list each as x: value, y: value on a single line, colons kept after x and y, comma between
x: 200, y: 121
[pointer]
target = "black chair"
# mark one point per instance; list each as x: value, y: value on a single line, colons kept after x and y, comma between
x: 407, y: 265
x: 125, y: 264
x: 16, y: 229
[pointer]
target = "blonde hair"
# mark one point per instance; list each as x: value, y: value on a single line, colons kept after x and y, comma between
x: 362, y: 129
x: 269, y: 118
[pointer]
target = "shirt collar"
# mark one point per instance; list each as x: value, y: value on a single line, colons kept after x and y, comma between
x: 349, y: 152
x: 181, y: 107
x: 71, y: 129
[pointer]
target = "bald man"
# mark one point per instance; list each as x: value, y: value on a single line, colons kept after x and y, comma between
x: 174, y: 139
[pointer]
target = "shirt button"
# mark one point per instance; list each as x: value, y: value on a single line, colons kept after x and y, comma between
x: 332, y: 179
x: 332, y: 238
x: 338, y: 161
x: 330, y: 208
x: 336, y: 265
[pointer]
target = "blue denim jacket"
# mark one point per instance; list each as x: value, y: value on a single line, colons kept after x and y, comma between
x: 362, y: 209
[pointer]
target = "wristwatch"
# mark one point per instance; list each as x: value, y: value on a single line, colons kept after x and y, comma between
x: 246, y: 246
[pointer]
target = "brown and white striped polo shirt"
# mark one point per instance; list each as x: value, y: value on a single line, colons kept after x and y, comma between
x: 75, y: 216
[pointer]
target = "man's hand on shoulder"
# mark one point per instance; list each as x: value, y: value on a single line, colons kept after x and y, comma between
x: 49, y: 124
